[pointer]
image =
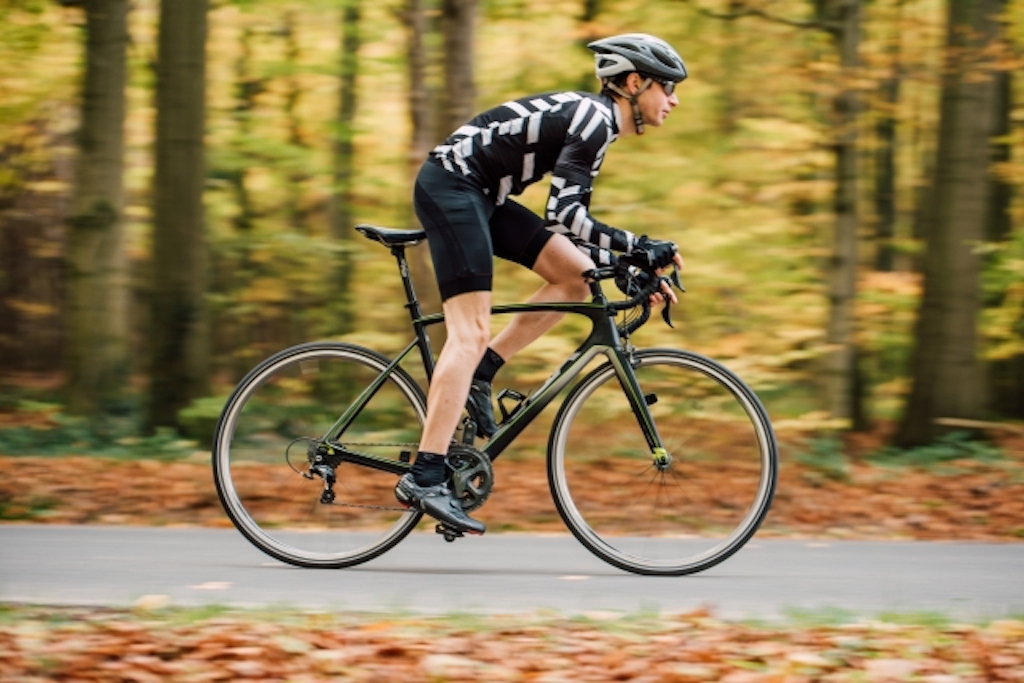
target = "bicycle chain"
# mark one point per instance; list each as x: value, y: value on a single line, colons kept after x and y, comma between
x: 370, y: 507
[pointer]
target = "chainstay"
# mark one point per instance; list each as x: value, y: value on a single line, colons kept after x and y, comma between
x: 362, y: 506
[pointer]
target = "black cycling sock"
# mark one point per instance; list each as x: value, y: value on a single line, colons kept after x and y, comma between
x: 429, y: 469
x: 489, y: 365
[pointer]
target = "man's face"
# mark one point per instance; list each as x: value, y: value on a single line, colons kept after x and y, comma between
x: 656, y: 104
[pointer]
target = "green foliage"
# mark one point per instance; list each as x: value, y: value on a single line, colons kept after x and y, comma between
x: 934, y: 620
x: 46, y: 430
x: 1003, y: 319
x: 956, y: 445
x: 199, y: 419
x: 826, y: 616
x: 825, y: 459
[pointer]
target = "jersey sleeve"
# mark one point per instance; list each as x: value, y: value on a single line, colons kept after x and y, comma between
x: 572, y: 178
x: 601, y: 257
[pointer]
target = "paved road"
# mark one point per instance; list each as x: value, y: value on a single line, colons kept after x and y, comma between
x: 506, y: 573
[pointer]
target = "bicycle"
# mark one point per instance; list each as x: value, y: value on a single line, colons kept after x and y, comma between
x: 660, y: 461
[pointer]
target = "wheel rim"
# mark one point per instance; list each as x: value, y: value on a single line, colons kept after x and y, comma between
x: 703, y: 506
x: 298, y: 397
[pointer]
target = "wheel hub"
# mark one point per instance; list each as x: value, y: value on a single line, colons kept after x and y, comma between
x: 661, y: 459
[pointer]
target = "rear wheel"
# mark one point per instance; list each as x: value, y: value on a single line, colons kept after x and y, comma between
x: 682, y: 514
x: 262, y: 469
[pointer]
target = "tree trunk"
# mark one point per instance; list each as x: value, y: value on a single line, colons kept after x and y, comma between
x: 999, y: 224
x: 731, y: 62
x: 98, y: 358
x: 422, y: 140
x: 246, y: 89
x: 34, y: 248
x: 457, y: 25
x: 591, y: 10
x: 179, y: 359
x: 297, y: 175
x: 1006, y: 376
x: 341, y: 203
x: 946, y: 374
x: 841, y: 367
x: 885, y: 156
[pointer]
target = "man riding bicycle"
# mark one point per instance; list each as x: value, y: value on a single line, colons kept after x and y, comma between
x: 462, y: 199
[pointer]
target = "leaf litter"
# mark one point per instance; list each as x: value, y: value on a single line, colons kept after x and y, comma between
x: 105, y: 645
x: 817, y: 496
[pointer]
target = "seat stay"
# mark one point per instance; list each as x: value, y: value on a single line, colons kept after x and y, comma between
x: 356, y: 407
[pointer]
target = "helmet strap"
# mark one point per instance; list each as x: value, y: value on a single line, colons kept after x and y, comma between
x: 638, y: 120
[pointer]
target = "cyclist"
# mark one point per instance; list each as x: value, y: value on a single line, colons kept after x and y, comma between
x: 462, y: 199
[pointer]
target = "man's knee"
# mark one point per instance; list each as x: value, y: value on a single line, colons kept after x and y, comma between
x: 468, y: 322
x: 561, y: 263
x: 577, y: 284
x: 472, y: 338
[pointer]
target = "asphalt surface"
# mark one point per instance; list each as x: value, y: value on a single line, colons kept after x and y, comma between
x: 506, y: 573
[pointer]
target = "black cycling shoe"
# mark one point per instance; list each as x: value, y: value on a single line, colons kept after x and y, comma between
x: 481, y: 409
x: 438, y: 502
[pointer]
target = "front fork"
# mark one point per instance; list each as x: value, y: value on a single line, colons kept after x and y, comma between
x: 624, y: 363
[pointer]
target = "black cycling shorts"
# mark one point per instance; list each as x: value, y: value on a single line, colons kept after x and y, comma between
x: 465, y: 231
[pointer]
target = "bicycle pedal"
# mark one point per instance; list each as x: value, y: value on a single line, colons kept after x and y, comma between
x: 448, y: 532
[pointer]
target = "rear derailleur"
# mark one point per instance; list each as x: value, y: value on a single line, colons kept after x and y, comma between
x: 323, y: 460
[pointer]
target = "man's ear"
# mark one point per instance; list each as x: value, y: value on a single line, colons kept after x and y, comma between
x: 632, y: 83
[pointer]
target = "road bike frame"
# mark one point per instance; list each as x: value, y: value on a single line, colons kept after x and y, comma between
x: 604, y: 338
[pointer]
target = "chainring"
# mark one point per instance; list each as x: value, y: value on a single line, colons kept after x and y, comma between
x: 472, y: 476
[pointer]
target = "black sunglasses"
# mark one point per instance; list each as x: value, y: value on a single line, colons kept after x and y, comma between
x: 669, y: 86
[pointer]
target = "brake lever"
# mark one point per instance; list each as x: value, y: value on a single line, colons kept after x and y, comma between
x: 676, y: 281
x: 666, y: 314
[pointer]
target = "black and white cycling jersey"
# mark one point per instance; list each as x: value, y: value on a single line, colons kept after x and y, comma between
x: 505, y: 149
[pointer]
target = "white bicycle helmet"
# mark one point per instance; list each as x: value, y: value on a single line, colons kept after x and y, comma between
x: 652, y: 58
x: 640, y: 52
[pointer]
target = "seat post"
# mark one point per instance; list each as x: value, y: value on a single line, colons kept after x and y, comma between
x: 415, y: 312
x: 412, y: 303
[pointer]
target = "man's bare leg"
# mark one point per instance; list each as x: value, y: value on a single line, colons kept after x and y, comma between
x: 467, y: 322
x: 467, y: 318
x: 561, y: 264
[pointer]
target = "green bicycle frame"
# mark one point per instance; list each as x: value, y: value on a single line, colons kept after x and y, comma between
x: 604, y: 339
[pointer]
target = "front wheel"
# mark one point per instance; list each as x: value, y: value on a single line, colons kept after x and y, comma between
x: 669, y: 516
x: 264, y: 473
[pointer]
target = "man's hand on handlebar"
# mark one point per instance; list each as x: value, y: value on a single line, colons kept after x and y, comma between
x: 666, y: 288
x: 632, y: 280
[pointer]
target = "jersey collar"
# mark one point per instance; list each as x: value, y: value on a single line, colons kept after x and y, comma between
x: 616, y: 114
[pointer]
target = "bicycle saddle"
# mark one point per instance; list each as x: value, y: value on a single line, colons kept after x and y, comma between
x: 390, y: 236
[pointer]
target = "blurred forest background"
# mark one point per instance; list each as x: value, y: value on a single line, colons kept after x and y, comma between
x: 179, y: 181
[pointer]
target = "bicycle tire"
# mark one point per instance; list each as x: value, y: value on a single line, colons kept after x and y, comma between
x: 706, y: 504
x: 260, y: 451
